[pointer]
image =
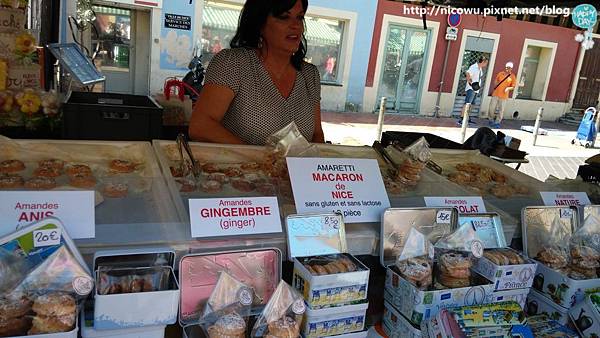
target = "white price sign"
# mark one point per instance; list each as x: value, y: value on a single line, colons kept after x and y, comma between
x: 46, y: 237
x: 465, y: 205
x: 443, y: 217
x: 566, y: 213
x: 565, y: 199
x: 74, y: 208
x: 351, y: 187
x: 215, y: 217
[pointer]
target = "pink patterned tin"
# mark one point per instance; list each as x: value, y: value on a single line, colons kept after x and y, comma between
x: 198, y: 275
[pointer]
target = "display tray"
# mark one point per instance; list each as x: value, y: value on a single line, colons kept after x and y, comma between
x: 511, y: 203
x: 147, y: 200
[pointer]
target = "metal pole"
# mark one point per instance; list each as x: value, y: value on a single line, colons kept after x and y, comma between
x: 597, y: 118
x: 538, y: 121
x: 381, y: 116
x: 439, y: 94
x: 465, y: 122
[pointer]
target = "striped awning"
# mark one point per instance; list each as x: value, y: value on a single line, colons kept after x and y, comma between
x: 317, y: 31
x: 111, y: 10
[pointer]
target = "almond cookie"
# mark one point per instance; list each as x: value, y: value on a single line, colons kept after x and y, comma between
x: 513, y: 257
x: 229, y: 326
x: 54, y: 305
x: 40, y: 183
x: 211, y: 187
x: 122, y: 166
x: 14, y: 327
x: 14, y: 308
x: 285, y: 327
x: 115, y: 190
x: 552, y: 257
x: 52, y: 163
x: 82, y: 180
x: 54, y: 324
x: 79, y: 169
x: 496, y: 257
x: 417, y: 271
x: 11, y: 166
x: 47, y: 172
x: 11, y: 181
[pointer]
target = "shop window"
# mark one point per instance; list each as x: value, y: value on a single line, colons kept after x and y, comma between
x: 534, y: 73
x: 112, y: 37
x: 324, y: 37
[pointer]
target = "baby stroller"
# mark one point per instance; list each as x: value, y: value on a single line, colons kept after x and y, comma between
x: 586, y: 133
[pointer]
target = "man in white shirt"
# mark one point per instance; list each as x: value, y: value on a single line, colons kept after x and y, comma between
x: 473, y: 75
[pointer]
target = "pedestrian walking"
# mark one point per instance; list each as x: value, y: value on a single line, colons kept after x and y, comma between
x: 472, y: 87
x: 504, y: 84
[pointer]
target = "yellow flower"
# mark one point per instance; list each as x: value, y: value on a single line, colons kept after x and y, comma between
x: 6, y: 101
x: 30, y: 103
x: 25, y: 43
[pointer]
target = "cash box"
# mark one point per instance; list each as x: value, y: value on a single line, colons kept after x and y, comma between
x: 563, y: 290
x: 120, y: 309
x: 199, y: 274
x: 417, y: 305
x: 505, y: 277
x: 321, y: 238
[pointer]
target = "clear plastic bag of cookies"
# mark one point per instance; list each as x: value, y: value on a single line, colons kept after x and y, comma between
x: 286, y: 142
x: 13, y: 269
x: 454, y: 255
x: 419, y: 151
x: 415, y: 263
x: 554, y: 243
x: 59, y: 271
x: 585, y: 250
x: 227, y: 309
x: 132, y: 280
x: 330, y: 264
x: 282, y: 317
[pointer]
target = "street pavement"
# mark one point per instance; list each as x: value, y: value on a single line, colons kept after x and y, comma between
x: 553, y: 154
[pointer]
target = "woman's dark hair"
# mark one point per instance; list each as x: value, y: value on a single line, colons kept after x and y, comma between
x: 253, y: 18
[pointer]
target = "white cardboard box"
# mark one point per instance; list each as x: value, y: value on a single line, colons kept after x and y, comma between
x: 507, y: 277
x: 586, y: 316
x: 563, y: 290
x: 136, y: 332
x: 517, y: 295
x: 396, y: 326
x: 127, y: 310
x: 334, y: 320
x: 417, y: 305
x: 538, y: 304
x: 316, y: 235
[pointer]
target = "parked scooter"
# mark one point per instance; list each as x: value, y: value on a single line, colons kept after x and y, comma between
x: 195, y: 77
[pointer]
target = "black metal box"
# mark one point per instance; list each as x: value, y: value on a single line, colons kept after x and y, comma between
x: 110, y: 116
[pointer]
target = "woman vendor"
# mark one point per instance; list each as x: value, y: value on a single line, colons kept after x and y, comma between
x: 262, y: 83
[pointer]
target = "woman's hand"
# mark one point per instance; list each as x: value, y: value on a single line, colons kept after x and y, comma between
x: 211, y: 106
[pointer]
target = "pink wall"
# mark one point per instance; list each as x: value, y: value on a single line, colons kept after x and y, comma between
x: 512, y: 37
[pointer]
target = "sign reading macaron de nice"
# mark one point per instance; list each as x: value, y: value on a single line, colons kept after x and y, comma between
x: 74, y: 208
x: 351, y: 187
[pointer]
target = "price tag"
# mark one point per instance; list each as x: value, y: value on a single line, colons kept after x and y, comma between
x: 477, y: 248
x: 47, y: 237
x: 566, y: 213
x: 331, y: 222
x: 443, y: 217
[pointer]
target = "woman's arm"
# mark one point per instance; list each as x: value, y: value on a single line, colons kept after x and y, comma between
x: 318, y: 135
x: 205, y: 124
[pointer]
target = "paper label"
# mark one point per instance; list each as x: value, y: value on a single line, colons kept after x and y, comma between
x: 566, y: 213
x: 565, y: 199
x: 74, y: 208
x: 212, y: 217
x: 465, y: 205
x: 83, y: 285
x: 477, y: 248
x: 351, y: 187
x: 46, y: 237
x: 443, y: 217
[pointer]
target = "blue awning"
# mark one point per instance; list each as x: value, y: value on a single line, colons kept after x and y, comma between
x: 317, y: 31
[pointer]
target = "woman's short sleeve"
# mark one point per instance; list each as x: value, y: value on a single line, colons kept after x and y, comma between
x: 313, y: 82
x: 224, y: 70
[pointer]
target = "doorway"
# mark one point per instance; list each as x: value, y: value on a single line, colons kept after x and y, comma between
x: 122, y: 39
x: 402, y: 78
x: 588, y: 86
x: 475, y: 48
